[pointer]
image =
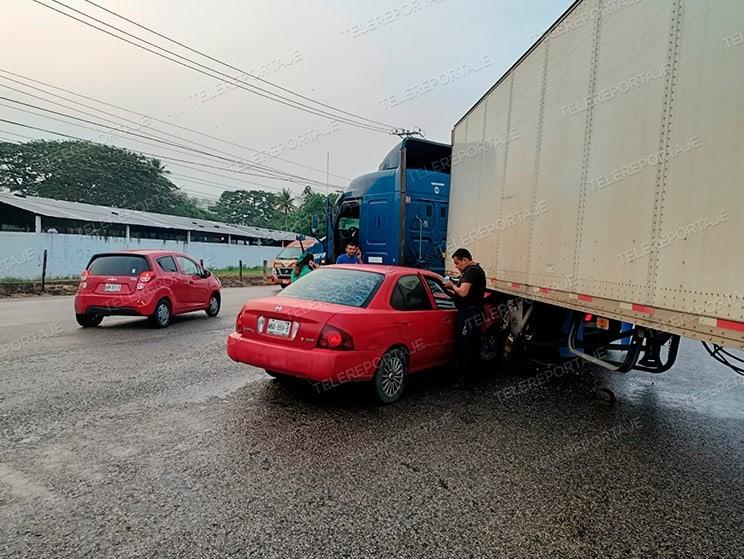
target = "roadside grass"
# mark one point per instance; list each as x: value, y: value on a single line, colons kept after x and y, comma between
x: 234, y: 271
x: 231, y: 272
x: 38, y: 280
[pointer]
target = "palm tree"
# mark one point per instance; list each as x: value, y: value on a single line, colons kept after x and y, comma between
x: 158, y: 166
x: 285, y: 203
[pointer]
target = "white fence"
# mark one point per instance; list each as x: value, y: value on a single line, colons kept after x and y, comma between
x: 21, y: 254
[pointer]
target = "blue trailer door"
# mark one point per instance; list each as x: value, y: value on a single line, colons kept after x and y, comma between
x: 379, y: 229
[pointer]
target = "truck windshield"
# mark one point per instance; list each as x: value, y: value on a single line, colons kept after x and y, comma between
x: 346, y: 223
x: 289, y: 253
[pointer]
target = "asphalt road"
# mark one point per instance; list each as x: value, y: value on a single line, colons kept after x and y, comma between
x: 127, y: 441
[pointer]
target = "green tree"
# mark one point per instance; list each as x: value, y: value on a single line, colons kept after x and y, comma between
x: 285, y: 203
x: 248, y: 207
x: 93, y: 174
x: 313, y: 203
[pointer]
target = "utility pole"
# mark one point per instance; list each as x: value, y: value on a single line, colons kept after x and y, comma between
x: 405, y: 133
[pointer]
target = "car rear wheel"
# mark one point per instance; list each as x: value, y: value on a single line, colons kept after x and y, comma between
x: 88, y: 320
x: 162, y: 316
x: 390, y: 378
x: 213, y: 309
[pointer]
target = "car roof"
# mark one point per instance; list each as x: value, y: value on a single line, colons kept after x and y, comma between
x: 387, y: 269
x: 153, y: 253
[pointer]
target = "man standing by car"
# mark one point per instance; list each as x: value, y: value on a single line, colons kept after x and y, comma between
x: 352, y: 255
x: 468, y: 295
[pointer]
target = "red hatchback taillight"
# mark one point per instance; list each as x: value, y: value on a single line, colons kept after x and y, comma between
x: 239, y: 323
x: 84, y: 279
x: 335, y: 338
x: 145, y: 277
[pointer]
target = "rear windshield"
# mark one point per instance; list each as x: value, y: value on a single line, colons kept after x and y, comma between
x: 117, y: 265
x: 353, y: 288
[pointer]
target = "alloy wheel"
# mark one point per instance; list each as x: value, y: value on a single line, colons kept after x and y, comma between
x: 392, y: 375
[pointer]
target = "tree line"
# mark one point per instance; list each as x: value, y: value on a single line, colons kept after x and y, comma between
x: 93, y: 173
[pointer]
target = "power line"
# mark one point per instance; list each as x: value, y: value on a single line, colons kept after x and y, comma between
x: 211, y: 72
x: 197, y: 193
x: 181, y: 176
x: 137, y: 125
x: 222, y: 187
x: 19, y: 135
x: 159, y: 156
x: 196, y: 51
x: 107, y: 120
x: 155, y: 155
x: 142, y: 115
x: 212, y: 173
x: 289, y: 177
x: 161, y: 140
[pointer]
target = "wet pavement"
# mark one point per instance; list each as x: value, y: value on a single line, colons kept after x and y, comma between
x: 128, y: 441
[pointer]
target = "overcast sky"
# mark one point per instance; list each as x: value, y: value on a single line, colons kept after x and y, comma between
x: 323, y: 49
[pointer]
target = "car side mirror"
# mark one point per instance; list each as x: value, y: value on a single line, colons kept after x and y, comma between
x: 206, y: 273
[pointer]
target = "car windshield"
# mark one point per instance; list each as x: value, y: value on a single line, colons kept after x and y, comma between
x: 353, y: 288
x: 289, y: 253
x: 117, y: 265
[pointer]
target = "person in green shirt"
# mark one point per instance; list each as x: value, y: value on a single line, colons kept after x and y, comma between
x: 302, y: 267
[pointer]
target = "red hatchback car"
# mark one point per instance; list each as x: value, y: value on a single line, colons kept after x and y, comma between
x: 155, y: 284
x: 346, y: 323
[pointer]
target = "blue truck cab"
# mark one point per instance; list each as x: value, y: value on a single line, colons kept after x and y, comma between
x: 398, y: 214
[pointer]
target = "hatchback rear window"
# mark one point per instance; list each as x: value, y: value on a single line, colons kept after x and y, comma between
x: 353, y: 288
x: 117, y: 265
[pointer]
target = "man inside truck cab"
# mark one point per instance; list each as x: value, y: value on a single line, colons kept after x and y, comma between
x: 352, y: 255
x: 468, y: 294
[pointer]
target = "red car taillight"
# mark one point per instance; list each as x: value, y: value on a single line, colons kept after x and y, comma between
x: 239, y: 323
x: 84, y: 279
x: 335, y: 338
x: 144, y: 278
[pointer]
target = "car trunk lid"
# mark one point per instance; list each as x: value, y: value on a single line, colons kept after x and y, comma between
x: 288, y: 321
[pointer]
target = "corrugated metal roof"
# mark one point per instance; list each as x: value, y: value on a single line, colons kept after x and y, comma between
x: 62, y: 209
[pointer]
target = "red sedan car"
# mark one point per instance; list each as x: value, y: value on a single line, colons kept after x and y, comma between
x: 155, y: 284
x: 346, y: 323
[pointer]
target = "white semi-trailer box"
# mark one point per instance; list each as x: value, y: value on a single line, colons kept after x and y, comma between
x: 604, y: 172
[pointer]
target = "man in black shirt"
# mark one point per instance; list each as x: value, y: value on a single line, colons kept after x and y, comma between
x: 468, y: 295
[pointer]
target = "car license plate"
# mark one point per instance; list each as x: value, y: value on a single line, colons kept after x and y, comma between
x: 278, y: 327
x: 112, y: 287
